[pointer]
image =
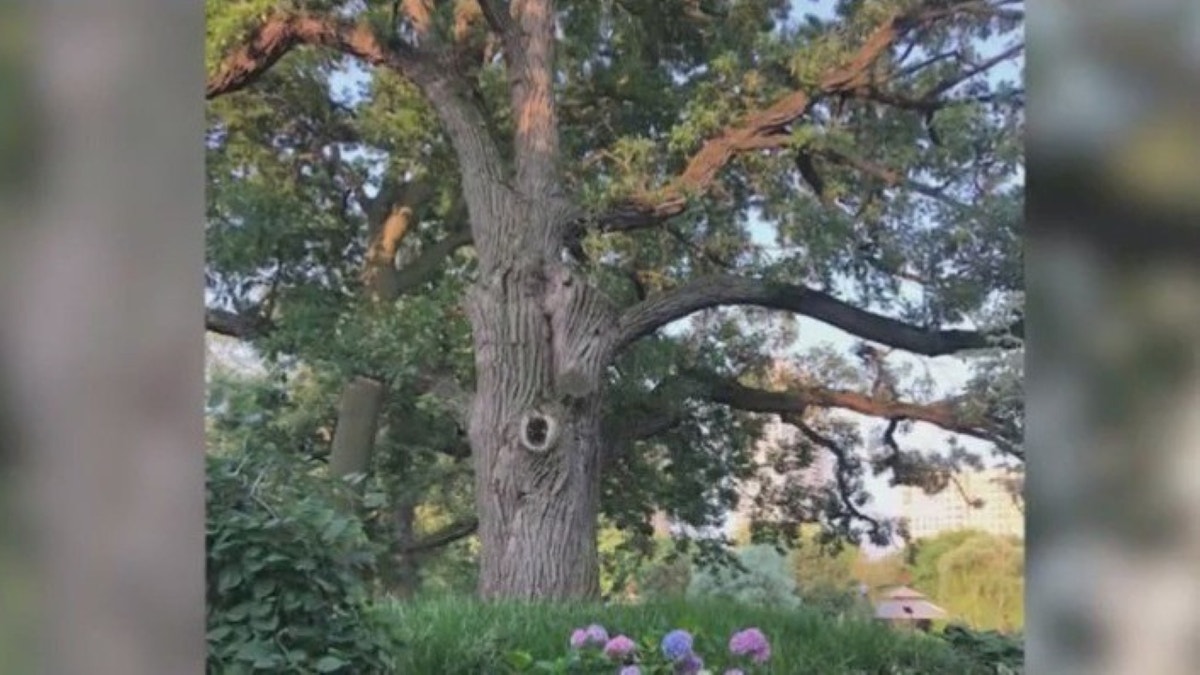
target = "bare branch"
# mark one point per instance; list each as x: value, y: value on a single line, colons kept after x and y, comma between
x: 842, y: 475
x: 721, y: 290
x: 889, y: 177
x: 931, y: 100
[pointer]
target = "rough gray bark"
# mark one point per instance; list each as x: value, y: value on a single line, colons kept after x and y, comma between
x: 535, y: 420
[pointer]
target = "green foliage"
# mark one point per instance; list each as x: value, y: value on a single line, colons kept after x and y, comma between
x: 462, y: 637
x: 285, y: 573
x: 1004, y: 654
x: 978, y: 577
x: 765, y: 580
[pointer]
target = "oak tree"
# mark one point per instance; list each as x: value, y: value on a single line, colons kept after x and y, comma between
x: 489, y: 213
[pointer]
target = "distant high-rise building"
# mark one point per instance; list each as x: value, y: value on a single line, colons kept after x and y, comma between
x: 779, y: 436
x: 998, y: 511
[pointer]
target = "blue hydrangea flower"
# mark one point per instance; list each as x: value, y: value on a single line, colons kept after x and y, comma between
x: 630, y: 670
x: 677, y: 644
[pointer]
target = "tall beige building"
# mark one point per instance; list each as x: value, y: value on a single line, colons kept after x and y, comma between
x: 776, y: 436
x: 995, y: 508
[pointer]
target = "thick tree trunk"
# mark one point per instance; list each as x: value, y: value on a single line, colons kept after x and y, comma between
x: 535, y: 423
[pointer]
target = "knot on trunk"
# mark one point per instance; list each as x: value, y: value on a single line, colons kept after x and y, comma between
x: 539, y: 431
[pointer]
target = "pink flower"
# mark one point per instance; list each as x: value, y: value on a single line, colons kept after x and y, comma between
x: 579, y: 638
x: 751, y: 642
x: 619, y: 647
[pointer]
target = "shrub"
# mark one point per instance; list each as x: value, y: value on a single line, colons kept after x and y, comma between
x: 285, y: 582
x: 1001, y: 654
x: 767, y: 580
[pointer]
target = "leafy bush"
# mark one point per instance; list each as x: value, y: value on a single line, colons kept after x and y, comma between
x: 835, y: 602
x: 459, y: 636
x: 285, y: 577
x: 1002, y: 654
x: 766, y: 581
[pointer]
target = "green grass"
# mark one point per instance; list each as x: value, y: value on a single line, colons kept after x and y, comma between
x: 461, y: 636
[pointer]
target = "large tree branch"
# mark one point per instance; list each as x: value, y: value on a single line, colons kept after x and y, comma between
x: 430, y: 70
x: 951, y: 414
x: 405, y: 280
x: 531, y: 80
x: 721, y: 290
x: 443, y: 537
x: 769, y: 128
x: 282, y: 31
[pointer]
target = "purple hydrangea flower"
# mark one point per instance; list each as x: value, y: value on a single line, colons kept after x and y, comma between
x: 690, y: 664
x: 630, y: 670
x: 735, y: 671
x: 677, y: 644
x: 619, y: 647
x: 579, y: 638
x: 751, y: 642
x: 596, y: 635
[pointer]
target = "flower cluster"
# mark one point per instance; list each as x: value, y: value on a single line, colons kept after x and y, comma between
x: 592, y: 635
x: 751, y: 642
x: 677, y: 646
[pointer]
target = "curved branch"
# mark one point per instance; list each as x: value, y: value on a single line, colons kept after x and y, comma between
x: 769, y: 128
x: 443, y: 537
x: 879, y: 532
x: 430, y: 70
x: 283, y: 31
x: 949, y: 414
x: 720, y: 290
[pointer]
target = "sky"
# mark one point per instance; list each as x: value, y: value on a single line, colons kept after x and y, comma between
x: 949, y: 373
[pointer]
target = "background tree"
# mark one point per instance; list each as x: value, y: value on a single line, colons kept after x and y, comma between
x: 978, y: 577
x: 609, y: 164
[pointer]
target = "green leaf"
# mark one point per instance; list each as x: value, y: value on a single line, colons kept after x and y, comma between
x: 229, y: 579
x: 519, y: 660
x: 329, y: 664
